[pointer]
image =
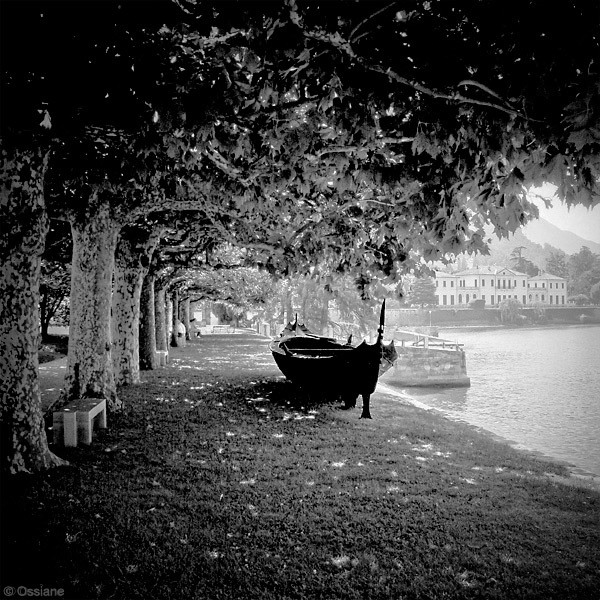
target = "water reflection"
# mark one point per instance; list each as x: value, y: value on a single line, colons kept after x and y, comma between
x: 539, y: 387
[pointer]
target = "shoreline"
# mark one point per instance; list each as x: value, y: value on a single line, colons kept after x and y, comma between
x: 577, y: 475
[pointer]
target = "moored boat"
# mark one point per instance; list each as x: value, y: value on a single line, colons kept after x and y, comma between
x: 323, y: 365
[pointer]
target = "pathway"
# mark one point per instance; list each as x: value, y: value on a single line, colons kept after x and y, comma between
x: 51, y: 377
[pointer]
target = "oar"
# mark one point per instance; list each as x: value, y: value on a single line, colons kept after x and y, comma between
x: 381, y: 323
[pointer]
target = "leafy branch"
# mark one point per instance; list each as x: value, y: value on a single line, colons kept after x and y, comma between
x: 344, y: 46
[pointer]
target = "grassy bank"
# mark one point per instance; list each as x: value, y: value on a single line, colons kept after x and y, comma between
x: 220, y: 481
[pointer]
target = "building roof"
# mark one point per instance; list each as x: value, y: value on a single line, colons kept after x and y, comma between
x: 545, y: 275
x: 489, y: 270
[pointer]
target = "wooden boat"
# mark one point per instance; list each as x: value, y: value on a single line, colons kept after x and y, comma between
x: 326, y: 366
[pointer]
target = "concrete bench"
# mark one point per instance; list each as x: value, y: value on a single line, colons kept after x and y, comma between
x: 223, y: 329
x: 74, y: 422
x: 163, y: 358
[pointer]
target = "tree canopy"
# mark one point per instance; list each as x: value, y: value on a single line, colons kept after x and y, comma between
x: 356, y: 137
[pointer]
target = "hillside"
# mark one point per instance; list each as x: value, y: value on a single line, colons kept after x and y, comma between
x: 501, y: 250
x: 540, y: 239
x: 542, y: 232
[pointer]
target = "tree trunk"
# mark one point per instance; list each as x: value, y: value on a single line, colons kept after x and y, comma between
x: 160, y: 318
x: 169, y: 318
x: 89, y: 367
x: 132, y: 260
x: 127, y: 287
x: 176, y: 340
x: 44, y: 316
x: 147, y: 335
x: 184, y: 316
x: 24, y: 226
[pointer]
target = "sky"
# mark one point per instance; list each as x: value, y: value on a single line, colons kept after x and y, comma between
x: 577, y: 219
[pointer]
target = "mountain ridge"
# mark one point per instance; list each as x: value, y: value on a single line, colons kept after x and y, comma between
x: 543, y: 232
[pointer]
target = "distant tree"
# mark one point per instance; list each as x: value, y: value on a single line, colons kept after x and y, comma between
x: 595, y: 293
x: 55, y: 288
x: 556, y: 264
x: 584, y: 272
x: 422, y: 292
x: 578, y: 300
x: 522, y: 264
x: 510, y: 310
x: 582, y: 261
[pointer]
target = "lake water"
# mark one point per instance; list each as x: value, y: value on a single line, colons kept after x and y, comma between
x: 537, y: 387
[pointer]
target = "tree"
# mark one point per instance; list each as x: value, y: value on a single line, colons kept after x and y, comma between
x: 556, y: 264
x: 55, y: 286
x: 578, y: 300
x: 422, y: 292
x: 510, y: 311
x: 584, y: 272
x: 522, y: 264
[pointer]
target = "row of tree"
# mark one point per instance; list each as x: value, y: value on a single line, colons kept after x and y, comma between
x: 320, y: 138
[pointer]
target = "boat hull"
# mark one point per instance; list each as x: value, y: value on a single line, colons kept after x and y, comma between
x: 345, y: 370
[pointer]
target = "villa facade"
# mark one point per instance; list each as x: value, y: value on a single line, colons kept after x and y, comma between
x: 494, y: 284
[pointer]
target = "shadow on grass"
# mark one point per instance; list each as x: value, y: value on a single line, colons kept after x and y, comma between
x: 218, y: 480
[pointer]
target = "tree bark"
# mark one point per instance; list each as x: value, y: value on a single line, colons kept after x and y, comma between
x: 132, y: 260
x: 184, y: 316
x: 175, y: 339
x: 24, y: 226
x: 127, y: 287
x: 147, y: 335
x: 89, y: 367
x: 169, y: 318
x: 160, y: 318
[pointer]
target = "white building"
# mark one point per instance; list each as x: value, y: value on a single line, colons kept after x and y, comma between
x: 493, y: 284
x: 546, y: 288
x: 445, y: 288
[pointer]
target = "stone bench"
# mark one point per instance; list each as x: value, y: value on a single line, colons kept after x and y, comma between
x: 163, y: 358
x: 223, y: 329
x: 74, y: 422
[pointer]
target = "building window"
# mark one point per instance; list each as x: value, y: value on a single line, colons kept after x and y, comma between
x: 483, y: 297
x: 452, y: 283
x: 515, y: 283
x: 467, y: 300
x: 550, y: 298
x: 445, y: 299
x: 451, y: 299
x: 523, y: 283
x: 444, y: 283
x: 460, y: 298
x: 483, y: 283
x: 563, y: 287
x: 524, y: 300
x: 543, y: 298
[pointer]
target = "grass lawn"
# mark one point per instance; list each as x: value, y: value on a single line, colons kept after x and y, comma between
x: 219, y: 480
x: 55, y: 346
